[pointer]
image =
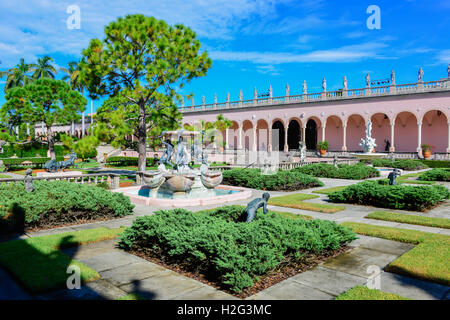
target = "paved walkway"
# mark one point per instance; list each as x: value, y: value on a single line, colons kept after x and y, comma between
x: 123, y: 273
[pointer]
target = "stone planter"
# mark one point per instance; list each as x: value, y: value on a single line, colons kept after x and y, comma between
x: 426, y: 154
x: 322, y: 152
x: 153, y: 178
x: 211, y: 179
x: 178, y: 183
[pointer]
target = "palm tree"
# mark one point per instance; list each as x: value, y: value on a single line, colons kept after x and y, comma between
x: 43, y: 68
x: 73, y: 76
x: 17, y: 76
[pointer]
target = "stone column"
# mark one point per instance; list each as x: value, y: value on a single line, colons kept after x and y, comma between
x: 240, y: 136
x: 269, y: 147
x: 73, y: 128
x: 286, y: 146
x: 323, y: 132
x: 255, y: 142
x: 28, y: 129
x: 419, y: 137
x: 344, y: 139
x: 392, y: 148
x: 303, y: 134
x: 227, y: 146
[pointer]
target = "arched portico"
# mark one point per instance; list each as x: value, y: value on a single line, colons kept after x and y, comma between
x: 406, y: 132
x: 381, y: 131
x: 278, y: 135
x: 435, y: 130
x: 356, y: 129
x: 334, y: 133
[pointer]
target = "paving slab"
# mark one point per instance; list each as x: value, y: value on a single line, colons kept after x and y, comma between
x: 328, y: 280
x: 95, y: 290
x: 357, y: 260
x: 110, y: 260
x: 92, y: 249
x: 291, y: 290
x: 205, y: 293
x: 133, y: 272
x: 163, y: 287
x: 413, y: 288
x: 382, y: 245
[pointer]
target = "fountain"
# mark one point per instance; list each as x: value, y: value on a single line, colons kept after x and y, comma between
x: 183, y: 185
x: 368, y: 145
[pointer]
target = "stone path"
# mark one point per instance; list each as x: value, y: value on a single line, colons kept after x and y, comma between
x: 123, y: 273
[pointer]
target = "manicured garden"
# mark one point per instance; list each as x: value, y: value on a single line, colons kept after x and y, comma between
x: 410, y: 219
x: 297, y: 201
x: 219, y: 247
x: 280, y: 181
x: 435, y: 175
x: 378, y: 194
x: 404, y: 164
x: 56, y: 203
x: 342, y: 171
x: 427, y: 261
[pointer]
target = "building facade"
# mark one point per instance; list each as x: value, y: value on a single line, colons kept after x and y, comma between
x: 403, y: 116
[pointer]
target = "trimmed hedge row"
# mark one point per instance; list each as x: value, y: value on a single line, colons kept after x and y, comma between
x: 17, y: 162
x: 404, y: 164
x: 29, y: 150
x: 378, y: 194
x: 129, y: 161
x: 57, y: 202
x: 213, y: 243
x: 435, y: 175
x: 436, y: 163
x: 282, y: 180
x: 343, y: 171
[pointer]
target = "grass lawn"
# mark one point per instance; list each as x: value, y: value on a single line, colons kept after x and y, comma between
x: 427, y: 261
x: 4, y: 176
x: 410, y: 219
x: 281, y: 213
x: 406, y: 179
x: 132, y: 296
x: 39, y: 264
x: 329, y: 190
x: 364, y: 293
x: 296, y: 201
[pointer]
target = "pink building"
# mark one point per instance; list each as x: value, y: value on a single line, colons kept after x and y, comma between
x: 407, y: 115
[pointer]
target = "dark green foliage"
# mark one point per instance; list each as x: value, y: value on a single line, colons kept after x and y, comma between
x: 230, y: 252
x: 436, y: 163
x: 30, y: 150
x: 373, y: 193
x: 405, y: 164
x: 129, y: 161
x: 59, y: 200
x: 282, y: 180
x: 435, y: 175
x: 343, y: 171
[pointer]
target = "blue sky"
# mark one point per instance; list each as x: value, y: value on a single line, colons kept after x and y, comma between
x: 253, y: 43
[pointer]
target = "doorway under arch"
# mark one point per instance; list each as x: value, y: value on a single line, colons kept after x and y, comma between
x: 311, y: 135
x: 278, y: 125
x: 293, y: 135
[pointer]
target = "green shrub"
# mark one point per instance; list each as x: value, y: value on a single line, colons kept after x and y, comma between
x: 12, y: 163
x: 418, y: 198
x: 60, y: 202
x: 29, y: 150
x: 404, y: 164
x: 129, y: 161
x: 282, y: 180
x: 230, y: 252
x: 436, y: 163
x: 435, y: 175
x: 343, y: 171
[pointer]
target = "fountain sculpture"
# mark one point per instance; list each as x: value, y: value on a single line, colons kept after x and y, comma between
x: 368, y: 145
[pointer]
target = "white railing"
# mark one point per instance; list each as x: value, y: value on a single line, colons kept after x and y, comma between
x: 430, y: 86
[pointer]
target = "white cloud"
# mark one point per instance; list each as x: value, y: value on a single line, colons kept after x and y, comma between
x: 444, y: 56
x: 344, y: 54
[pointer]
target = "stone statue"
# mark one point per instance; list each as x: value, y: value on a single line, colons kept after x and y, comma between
x: 28, y: 181
x: 182, y: 156
x: 345, y: 83
x: 448, y: 70
x: 387, y: 145
x: 420, y: 75
x: 335, y: 161
x: 392, y: 175
x: 304, y: 87
x: 392, y: 77
x: 302, y: 147
x: 255, y: 204
x: 392, y: 157
x: 324, y: 84
x: 51, y: 166
x: 368, y: 144
x: 368, y: 80
x: 167, y: 155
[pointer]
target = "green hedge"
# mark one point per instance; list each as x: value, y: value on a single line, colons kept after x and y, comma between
x: 232, y: 253
x: 378, y: 194
x: 17, y: 162
x: 129, y: 161
x: 436, y: 163
x: 282, y: 180
x: 435, y: 175
x: 60, y: 202
x: 343, y: 171
x: 29, y: 150
x: 404, y: 164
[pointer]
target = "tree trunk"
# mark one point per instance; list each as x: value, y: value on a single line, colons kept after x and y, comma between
x: 142, y: 139
x: 51, y: 143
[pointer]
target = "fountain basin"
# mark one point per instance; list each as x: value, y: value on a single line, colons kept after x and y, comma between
x: 221, y: 194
